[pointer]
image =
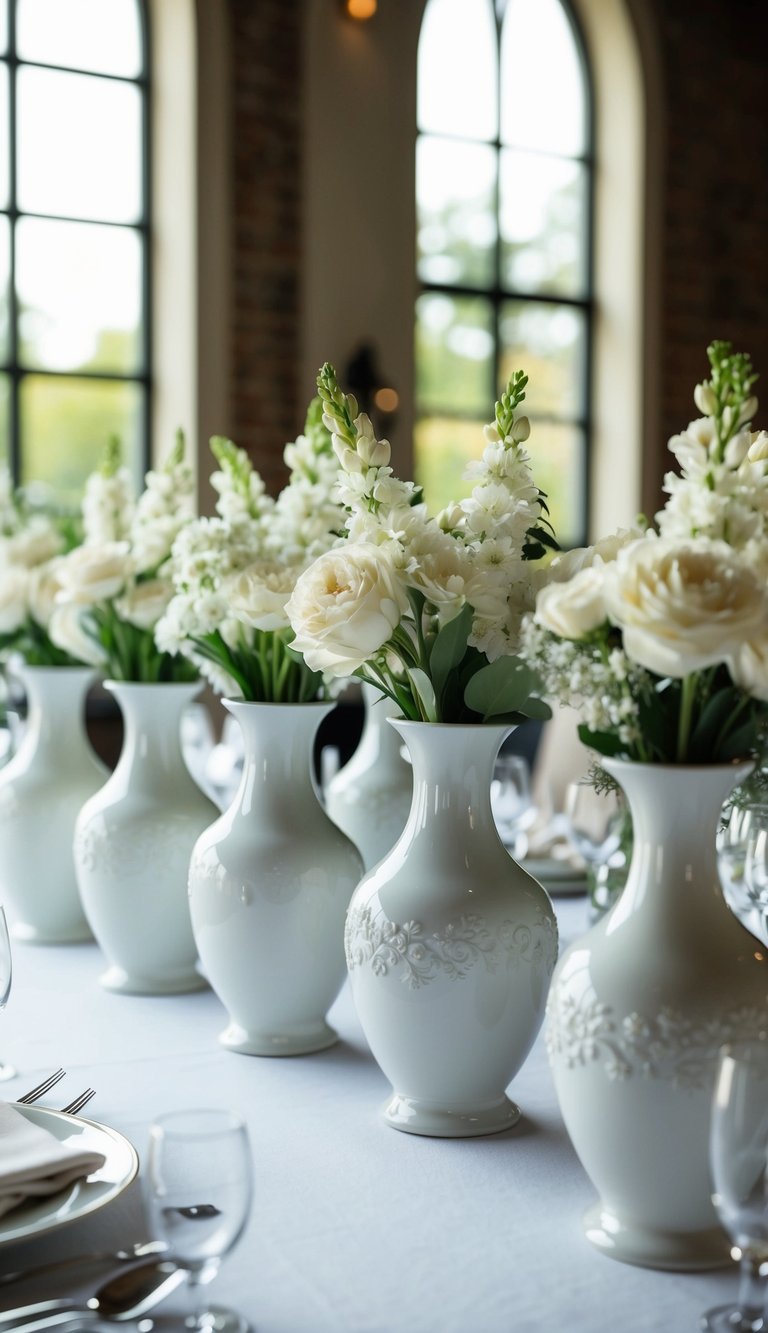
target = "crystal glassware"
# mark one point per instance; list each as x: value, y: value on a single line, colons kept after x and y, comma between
x: 739, y: 1164
x: 198, y: 1190
x: 511, y: 801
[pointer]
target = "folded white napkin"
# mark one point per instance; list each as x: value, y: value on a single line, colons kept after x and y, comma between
x: 33, y: 1162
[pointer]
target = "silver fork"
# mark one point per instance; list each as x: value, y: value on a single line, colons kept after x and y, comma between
x: 42, y: 1088
x: 78, y: 1103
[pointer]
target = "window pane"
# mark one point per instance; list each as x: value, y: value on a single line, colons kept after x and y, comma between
x: 4, y: 135
x: 79, y: 146
x: 65, y: 424
x: 457, y: 69
x: 442, y: 448
x: 3, y: 26
x: 543, y: 102
x: 79, y: 289
x: 5, y: 275
x: 86, y: 34
x: 558, y: 460
x: 548, y: 343
x: 542, y: 220
x: 455, y: 195
x: 454, y: 354
x: 5, y: 417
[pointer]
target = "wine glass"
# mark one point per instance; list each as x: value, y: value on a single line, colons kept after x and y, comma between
x: 6, y: 975
x: 752, y: 904
x: 198, y: 1192
x: 739, y: 1165
x: 511, y: 801
x: 591, y: 822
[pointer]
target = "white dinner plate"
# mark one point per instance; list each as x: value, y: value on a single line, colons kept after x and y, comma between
x: 558, y: 877
x: 83, y: 1196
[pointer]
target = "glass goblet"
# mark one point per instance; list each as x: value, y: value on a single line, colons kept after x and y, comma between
x: 511, y: 801
x: 591, y: 825
x: 6, y: 976
x: 739, y: 1165
x: 198, y: 1191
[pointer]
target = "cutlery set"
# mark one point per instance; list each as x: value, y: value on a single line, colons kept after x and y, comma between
x: 40, y: 1090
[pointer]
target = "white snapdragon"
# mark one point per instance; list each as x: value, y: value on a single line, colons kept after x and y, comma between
x: 108, y: 505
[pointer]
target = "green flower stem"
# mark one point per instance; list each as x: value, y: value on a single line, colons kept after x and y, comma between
x: 688, y: 690
x: 728, y: 725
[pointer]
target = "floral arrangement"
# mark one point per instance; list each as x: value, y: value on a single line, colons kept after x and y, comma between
x: 427, y: 609
x: 659, y: 637
x: 34, y: 537
x: 114, y: 587
x: 234, y: 572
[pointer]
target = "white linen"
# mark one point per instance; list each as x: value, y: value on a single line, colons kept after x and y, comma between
x: 33, y: 1163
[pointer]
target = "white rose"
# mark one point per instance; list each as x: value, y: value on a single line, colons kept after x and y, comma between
x: 44, y: 588
x: 258, y: 595
x: 683, y: 606
x: 93, y: 573
x: 145, y: 603
x: 14, y: 589
x: 573, y: 609
x: 32, y: 546
x: 66, y: 631
x: 344, y: 608
x: 749, y: 668
x: 564, y: 566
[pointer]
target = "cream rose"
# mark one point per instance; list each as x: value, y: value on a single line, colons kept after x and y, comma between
x: 573, y: 609
x: 344, y: 608
x: 145, y: 603
x: 258, y: 595
x: 749, y: 668
x: 44, y: 588
x: 96, y: 572
x: 682, y: 605
x: 14, y: 592
x: 66, y: 631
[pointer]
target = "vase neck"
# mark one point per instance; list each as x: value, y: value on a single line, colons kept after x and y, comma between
x: 452, y: 771
x: 378, y: 741
x: 278, y: 741
x: 151, y: 751
x: 55, y: 707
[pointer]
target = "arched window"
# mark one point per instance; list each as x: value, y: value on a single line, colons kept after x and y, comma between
x: 504, y: 221
x: 74, y: 252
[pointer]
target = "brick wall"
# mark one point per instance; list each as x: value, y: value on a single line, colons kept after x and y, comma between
x: 266, y: 192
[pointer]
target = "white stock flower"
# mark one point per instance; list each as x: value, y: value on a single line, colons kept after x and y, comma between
x: 345, y: 607
x: 573, y: 609
x: 683, y: 606
x: 33, y: 544
x: 94, y: 573
x: 108, y: 506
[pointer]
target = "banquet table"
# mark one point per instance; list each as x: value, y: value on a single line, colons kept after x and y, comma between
x: 355, y: 1227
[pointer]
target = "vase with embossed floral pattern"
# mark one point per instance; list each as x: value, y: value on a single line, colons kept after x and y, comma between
x: 638, y: 1010
x: 450, y: 945
x: 41, y: 791
x: 133, y: 841
x: 269, y: 886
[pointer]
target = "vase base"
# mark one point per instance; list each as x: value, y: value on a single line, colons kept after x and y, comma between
x: 413, y: 1116
x: 647, y: 1247
x: 302, y: 1041
x: 27, y: 934
x: 122, y: 983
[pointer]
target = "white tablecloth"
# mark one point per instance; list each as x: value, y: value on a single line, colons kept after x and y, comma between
x: 356, y: 1228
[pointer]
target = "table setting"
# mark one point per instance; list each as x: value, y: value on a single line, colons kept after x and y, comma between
x: 478, y: 1072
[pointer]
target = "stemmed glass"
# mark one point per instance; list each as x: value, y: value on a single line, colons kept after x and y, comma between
x: 198, y: 1193
x: 6, y: 974
x: 511, y: 801
x: 739, y: 1164
x: 591, y: 820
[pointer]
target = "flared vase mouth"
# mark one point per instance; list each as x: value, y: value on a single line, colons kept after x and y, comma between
x: 722, y: 766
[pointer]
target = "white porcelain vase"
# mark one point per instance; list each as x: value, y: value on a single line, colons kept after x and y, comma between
x: 370, y: 797
x: 42, y: 788
x: 450, y: 945
x: 269, y: 885
x: 133, y: 840
x: 638, y: 1009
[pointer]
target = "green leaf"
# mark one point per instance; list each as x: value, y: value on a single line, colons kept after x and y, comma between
x: 504, y: 686
x: 711, y: 719
x: 422, y: 687
x: 449, y: 647
x: 605, y: 742
x: 740, y: 744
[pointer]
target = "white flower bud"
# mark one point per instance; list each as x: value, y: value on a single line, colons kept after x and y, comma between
x: 521, y: 430
x: 758, y: 450
x: 748, y: 410
x: 736, y: 449
x: 705, y: 399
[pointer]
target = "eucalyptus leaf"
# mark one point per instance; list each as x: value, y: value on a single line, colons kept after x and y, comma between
x: 504, y: 686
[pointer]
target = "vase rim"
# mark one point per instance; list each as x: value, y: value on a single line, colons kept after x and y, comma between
x: 453, y: 726
x: 725, y: 765
x: 229, y: 700
x: 110, y: 684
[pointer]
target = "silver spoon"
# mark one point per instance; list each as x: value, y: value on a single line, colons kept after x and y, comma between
x: 126, y: 1296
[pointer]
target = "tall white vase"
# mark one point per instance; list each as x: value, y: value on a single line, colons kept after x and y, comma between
x: 133, y: 841
x: 41, y: 791
x: 269, y: 886
x: 450, y: 945
x: 370, y: 797
x: 638, y: 1009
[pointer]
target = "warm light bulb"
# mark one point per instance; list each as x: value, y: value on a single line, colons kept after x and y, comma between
x: 386, y: 400
x: 360, y: 9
